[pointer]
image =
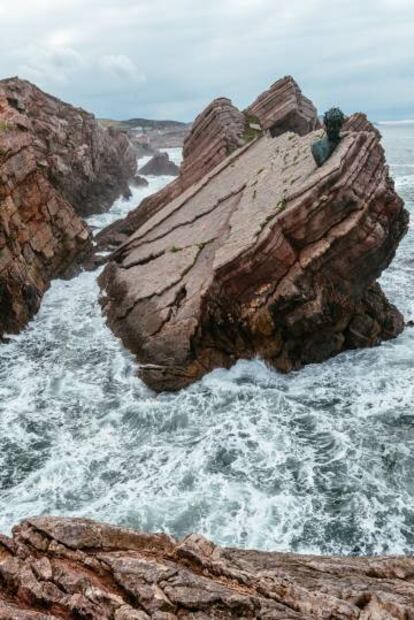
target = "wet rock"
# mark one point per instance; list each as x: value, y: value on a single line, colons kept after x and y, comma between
x: 83, y: 569
x: 55, y: 164
x: 160, y: 165
x: 139, y: 181
x: 90, y: 166
x: 265, y: 255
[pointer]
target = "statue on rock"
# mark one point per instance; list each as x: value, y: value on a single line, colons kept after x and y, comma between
x: 333, y: 120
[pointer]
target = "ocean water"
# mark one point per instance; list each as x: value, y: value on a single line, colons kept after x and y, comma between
x: 320, y: 461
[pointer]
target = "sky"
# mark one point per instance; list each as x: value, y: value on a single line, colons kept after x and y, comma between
x: 167, y: 59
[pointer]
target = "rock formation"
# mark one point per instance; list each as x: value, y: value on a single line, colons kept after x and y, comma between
x: 216, y: 133
x: 265, y: 255
x: 55, y: 164
x: 89, y: 165
x: 283, y: 107
x: 75, y: 568
x: 160, y: 165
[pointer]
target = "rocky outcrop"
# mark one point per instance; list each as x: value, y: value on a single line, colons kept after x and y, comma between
x: 55, y: 164
x: 75, y: 568
x: 160, y: 165
x: 40, y: 233
x: 89, y: 165
x: 216, y: 133
x: 283, y: 107
x: 267, y: 255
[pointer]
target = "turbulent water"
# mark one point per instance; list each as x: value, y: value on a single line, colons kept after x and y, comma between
x: 321, y: 460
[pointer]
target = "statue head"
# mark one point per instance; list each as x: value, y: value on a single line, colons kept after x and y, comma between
x: 333, y: 120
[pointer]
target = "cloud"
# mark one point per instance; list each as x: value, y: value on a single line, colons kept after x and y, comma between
x: 120, y: 67
x: 126, y: 58
x: 54, y: 64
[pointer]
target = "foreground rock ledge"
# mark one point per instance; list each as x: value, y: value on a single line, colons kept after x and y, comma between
x: 266, y: 255
x: 75, y: 568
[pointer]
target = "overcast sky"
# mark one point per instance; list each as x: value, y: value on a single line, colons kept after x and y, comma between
x: 168, y: 59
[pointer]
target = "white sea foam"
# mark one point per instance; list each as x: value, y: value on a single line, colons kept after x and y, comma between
x: 320, y: 460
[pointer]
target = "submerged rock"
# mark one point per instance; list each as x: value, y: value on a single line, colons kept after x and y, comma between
x: 75, y: 568
x: 160, y: 165
x: 265, y: 255
x: 56, y: 164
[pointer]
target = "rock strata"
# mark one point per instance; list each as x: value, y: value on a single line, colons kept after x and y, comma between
x: 217, y: 132
x: 89, y: 165
x: 283, y: 107
x: 55, y: 164
x: 74, y: 568
x: 265, y: 255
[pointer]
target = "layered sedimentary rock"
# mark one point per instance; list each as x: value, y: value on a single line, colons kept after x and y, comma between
x: 159, y: 165
x: 75, y: 568
x: 40, y: 233
x: 55, y: 164
x: 217, y: 132
x: 89, y: 165
x: 267, y: 255
x: 283, y: 107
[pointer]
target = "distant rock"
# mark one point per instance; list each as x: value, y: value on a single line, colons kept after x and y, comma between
x: 264, y: 255
x: 54, y: 568
x: 139, y: 181
x: 160, y: 165
x: 56, y: 164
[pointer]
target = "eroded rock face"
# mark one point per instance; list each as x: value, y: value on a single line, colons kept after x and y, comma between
x: 283, y: 107
x: 56, y: 164
x: 75, y: 568
x: 267, y: 255
x: 89, y: 165
x: 160, y: 165
x: 40, y: 233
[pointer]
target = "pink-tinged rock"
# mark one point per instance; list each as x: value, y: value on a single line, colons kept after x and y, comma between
x: 104, y: 574
x: 56, y: 163
x: 267, y: 255
x: 283, y: 107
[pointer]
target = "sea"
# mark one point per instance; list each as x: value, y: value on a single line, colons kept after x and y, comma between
x: 318, y: 461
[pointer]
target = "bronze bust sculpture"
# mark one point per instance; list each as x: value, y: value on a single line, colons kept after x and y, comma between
x: 333, y: 120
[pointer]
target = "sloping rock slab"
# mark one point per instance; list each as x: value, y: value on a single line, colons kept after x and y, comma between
x: 218, y: 131
x: 267, y: 255
x: 74, y: 568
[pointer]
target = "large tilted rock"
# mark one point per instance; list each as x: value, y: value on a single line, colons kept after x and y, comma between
x: 267, y: 255
x: 55, y: 164
x: 217, y: 132
x: 89, y: 165
x: 75, y: 568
